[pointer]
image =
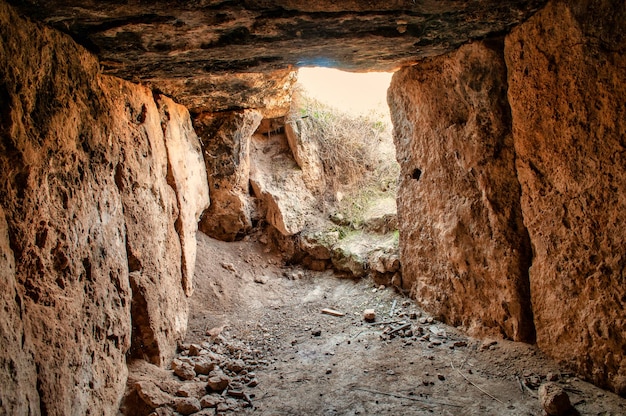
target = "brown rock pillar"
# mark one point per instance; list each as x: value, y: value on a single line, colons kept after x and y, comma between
x: 567, y: 89
x: 465, y: 252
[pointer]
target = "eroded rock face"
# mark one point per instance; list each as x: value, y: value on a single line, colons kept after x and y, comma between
x: 225, y: 141
x: 90, y: 232
x: 567, y: 83
x: 465, y: 252
x: 187, y: 176
x: 208, y: 55
x: 278, y: 182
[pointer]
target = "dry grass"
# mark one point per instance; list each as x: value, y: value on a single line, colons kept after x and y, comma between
x: 357, y: 152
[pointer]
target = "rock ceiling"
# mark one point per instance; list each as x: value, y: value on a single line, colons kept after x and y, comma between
x: 219, y: 55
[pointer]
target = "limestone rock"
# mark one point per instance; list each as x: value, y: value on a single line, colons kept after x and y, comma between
x: 185, y: 371
x: 465, y: 251
x: 210, y: 401
x: 569, y: 118
x: 369, y: 315
x: 18, y: 374
x: 220, y: 56
x: 187, y: 176
x: 306, y: 154
x: 554, y: 399
x: 218, y: 381
x: 152, y: 395
x: 188, y: 405
x: 225, y: 142
x: 277, y: 182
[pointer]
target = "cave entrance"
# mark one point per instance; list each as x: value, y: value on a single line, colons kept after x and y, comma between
x: 326, y: 174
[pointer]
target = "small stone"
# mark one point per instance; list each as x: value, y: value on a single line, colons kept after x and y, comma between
x: 210, y: 401
x: 203, y: 365
x: 441, y: 377
x: 316, y: 332
x: 381, y: 287
x: 261, y: 279
x: 328, y: 371
x: 369, y: 315
x: 236, y: 366
x: 194, y: 350
x: 185, y: 371
x: 430, y: 320
x: 188, y: 405
x: 413, y: 315
x: 218, y: 381
x: 422, y: 320
x: 228, y: 266
x: 253, y: 383
x: 152, y: 395
x: 460, y: 344
x: 487, y: 344
x: 552, y: 377
x: 554, y: 399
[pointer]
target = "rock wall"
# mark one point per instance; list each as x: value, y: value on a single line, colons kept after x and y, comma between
x: 225, y: 141
x: 464, y: 158
x: 465, y: 252
x: 567, y: 89
x: 91, y: 258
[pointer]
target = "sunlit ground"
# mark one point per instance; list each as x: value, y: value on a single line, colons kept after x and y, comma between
x: 356, y: 93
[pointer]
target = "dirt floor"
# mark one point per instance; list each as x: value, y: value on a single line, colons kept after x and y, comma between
x: 268, y: 316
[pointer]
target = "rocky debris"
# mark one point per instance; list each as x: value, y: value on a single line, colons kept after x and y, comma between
x: 187, y: 405
x: 211, y: 401
x: 152, y: 395
x: 184, y: 370
x: 554, y: 399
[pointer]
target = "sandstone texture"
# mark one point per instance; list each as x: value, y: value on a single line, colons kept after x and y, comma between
x: 278, y: 183
x: 217, y: 56
x: 187, y: 176
x: 567, y: 83
x: 92, y: 267
x: 225, y: 139
x: 465, y: 252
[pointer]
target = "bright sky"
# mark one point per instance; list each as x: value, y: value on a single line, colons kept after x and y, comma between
x: 357, y: 93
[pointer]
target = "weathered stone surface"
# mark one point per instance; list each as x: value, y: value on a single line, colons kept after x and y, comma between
x: 187, y: 175
x: 554, y: 400
x: 465, y: 252
x: 70, y: 297
x: 190, y: 50
x: 306, y: 154
x: 83, y: 186
x: 18, y: 373
x: 152, y: 395
x: 278, y: 183
x: 567, y: 83
x: 225, y: 142
x: 159, y: 306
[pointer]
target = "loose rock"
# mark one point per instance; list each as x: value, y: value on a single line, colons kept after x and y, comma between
x: 188, y: 405
x: 218, y: 381
x: 554, y: 399
x: 369, y: 315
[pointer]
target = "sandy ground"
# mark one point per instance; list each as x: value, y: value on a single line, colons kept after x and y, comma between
x: 311, y: 363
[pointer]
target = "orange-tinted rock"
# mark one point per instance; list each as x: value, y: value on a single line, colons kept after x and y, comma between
x: 567, y: 89
x: 464, y: 250
x: 217, y: 56
x: 84, y: 190
x: 225, y: 139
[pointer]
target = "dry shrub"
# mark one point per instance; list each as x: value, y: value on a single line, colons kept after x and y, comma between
x: 356, y: 150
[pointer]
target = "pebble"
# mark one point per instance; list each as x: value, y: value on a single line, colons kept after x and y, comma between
x: 441, y: 377
x: 369, y: 315
x: 554, y: 399
x: 316, y: 332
